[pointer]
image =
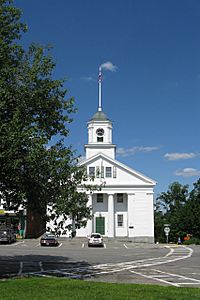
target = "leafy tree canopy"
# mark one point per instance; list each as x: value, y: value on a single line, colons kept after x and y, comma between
x: 35, y: 171
x: 180, y: 209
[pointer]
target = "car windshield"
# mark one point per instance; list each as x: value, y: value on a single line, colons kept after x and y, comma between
x: 96, y: 236
x: 50, y: 236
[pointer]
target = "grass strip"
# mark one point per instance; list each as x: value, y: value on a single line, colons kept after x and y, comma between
x: 55, y: 288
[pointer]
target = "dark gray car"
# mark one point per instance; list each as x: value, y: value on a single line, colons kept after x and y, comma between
x: 7, y: 235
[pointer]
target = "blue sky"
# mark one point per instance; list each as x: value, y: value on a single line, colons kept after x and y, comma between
x: 151, y: 86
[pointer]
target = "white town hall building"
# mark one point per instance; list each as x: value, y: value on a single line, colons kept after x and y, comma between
x: 124, y: 205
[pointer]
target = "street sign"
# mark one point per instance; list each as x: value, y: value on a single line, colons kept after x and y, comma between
x: 167, y: 230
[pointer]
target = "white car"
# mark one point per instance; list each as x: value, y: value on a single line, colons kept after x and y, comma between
x: 95, y: 239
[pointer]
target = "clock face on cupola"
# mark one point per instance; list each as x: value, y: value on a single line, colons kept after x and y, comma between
x: 100, y: 132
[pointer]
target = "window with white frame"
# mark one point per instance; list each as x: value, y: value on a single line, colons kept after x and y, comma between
x: 119, y: 198
x: 91, y: 171
x: 102, y: 172
x: 97, y: 172
x: 120, y: 220
x: 114, y: 172
x: 99, y: 198
x: 108, y: 172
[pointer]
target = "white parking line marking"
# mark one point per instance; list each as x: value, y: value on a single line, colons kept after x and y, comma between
x: 147, y: 262
x: 151, y: 274
x: 37, y: 245
x: 151, y: 277
x: 15, y: 244
x: 18, y: 243
x: 188, y: 283
x: 125, y: 246
x: 179, y: 276
x: 168, y: 278
x: 41, y: 267
x: 170, y: 252
x: 20, y: 268
x: 60, y: 245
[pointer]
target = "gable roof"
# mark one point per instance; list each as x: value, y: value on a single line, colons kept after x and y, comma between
x: 127, y: 169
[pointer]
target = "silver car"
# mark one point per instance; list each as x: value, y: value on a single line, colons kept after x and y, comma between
x: 95, y: 239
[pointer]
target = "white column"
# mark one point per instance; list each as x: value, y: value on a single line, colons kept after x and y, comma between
x: 111, y: 224
x: 89, y: 222
x: 130, y: 213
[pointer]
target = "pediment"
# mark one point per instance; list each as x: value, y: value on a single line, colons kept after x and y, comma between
x: 125, y: 175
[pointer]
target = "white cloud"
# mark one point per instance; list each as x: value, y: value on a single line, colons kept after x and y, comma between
x: 179, y: 156
x: 187, y: 172
x: 131, y: 151
x: 88, y: 78
x: 109, y: 66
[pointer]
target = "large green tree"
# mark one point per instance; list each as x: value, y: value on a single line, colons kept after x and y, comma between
x: 159, y: 222
x: 192, y: 211
x: 34, y: 171
x: 171, y: 205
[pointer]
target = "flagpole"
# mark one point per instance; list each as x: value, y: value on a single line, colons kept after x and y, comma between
x: 100, y: 79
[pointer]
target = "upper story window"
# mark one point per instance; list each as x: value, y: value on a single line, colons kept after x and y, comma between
x: 102, y: 172
x: 91, y: 171
x: 108, y: 172
x: 119, y: 198
x: 99, y: 198
x: 98, y: 172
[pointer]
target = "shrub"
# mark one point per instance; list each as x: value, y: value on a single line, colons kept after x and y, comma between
x: 191, y: 241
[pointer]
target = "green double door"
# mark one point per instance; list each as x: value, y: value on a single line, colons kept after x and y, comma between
x: 100, y: 225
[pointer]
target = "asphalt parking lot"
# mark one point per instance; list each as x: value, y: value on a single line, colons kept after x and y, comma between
x: 117, y: 261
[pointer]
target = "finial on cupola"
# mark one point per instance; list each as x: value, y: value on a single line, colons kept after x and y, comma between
x: 100, y: 80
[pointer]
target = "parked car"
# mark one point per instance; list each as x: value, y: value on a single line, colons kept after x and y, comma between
x: 95, y: 239
x: 7, y: 235
x: 49, y: 239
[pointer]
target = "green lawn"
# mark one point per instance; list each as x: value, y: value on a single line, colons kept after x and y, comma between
x: 51, y: 288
